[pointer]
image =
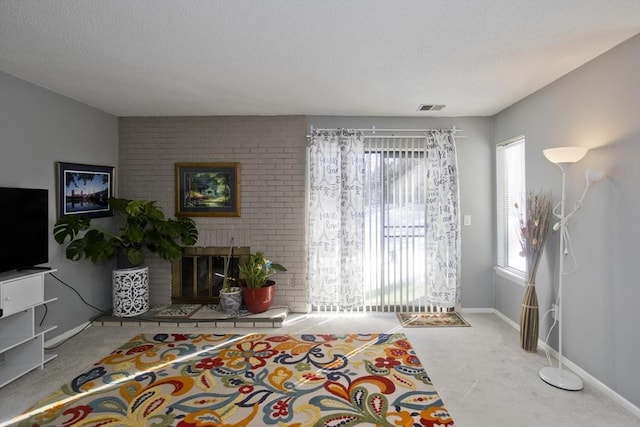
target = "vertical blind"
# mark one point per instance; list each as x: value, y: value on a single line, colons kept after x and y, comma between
x: 395, y: 279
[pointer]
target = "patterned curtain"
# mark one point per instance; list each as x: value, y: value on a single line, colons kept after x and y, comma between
x: 336, y: 243
x: 443, y: 221
x: 336, y: 231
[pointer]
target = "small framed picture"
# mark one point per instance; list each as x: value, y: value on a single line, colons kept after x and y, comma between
x: 85, y: 190
x: 208, y: 189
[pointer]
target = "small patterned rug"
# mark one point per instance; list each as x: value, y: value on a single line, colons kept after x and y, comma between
x: 174, y: 310
x: 212, y: 312
x: 431, y: 320
x: 190, y: 380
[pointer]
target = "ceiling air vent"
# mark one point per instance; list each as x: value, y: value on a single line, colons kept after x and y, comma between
x: 430, y: 107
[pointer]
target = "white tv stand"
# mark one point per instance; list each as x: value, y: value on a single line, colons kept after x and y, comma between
x: 21, y: 338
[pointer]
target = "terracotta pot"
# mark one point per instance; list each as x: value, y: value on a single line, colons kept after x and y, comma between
x: 258, y: 300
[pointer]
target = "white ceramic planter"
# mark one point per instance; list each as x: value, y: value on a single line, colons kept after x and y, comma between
x: 230, y: 302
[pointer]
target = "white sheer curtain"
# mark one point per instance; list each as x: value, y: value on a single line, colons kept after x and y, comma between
x: 336, y: 179
x: 443, y: 221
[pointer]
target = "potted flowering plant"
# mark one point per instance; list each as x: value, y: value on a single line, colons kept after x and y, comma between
x: 259, y: 290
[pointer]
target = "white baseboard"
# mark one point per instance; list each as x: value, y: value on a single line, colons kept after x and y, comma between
x: 478, y: 310
x: 66, y: 335
x: 505, y: 319
x: 587, y: 377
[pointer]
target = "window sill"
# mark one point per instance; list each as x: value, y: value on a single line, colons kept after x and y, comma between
x: 511, y: 276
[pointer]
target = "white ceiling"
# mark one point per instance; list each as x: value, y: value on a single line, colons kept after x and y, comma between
x: 313, y: 57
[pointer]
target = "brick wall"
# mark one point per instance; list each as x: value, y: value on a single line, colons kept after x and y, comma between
x: 271, y: 151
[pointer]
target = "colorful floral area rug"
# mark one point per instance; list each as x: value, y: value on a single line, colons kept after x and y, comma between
x: 431, y: 320
x: 249, y: 380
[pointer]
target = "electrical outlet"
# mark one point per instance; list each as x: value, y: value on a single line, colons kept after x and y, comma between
x: 554, y: 307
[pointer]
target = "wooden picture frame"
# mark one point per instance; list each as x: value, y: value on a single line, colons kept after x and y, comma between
x: 208, y: 189
x: 85, y: 190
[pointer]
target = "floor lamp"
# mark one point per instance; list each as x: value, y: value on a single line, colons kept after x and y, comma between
x: 563, y: 157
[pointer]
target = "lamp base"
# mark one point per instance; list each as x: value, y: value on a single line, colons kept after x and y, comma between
x: 561, y: 378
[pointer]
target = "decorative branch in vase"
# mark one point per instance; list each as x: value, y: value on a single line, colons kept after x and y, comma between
x: 230, y: 296
x: 534, y: 227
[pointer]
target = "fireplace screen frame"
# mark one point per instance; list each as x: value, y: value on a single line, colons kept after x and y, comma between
x: 198, y: 267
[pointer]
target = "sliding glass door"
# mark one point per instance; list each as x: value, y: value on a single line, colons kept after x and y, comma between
x: 394, y: 246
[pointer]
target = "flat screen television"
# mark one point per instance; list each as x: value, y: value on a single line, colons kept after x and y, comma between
x: 24, y: 218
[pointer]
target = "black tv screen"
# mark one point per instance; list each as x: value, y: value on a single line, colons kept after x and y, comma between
x: 24, y: 215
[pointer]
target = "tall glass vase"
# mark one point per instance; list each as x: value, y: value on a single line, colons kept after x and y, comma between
x: 529, y: 320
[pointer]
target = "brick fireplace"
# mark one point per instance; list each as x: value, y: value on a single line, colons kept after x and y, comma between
x: 197, y: 277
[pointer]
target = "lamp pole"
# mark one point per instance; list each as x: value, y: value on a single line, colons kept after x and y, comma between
x: 563, y: 224
x: 558, y: 377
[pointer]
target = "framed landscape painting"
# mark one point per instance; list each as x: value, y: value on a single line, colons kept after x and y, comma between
x: 208, y: 189
x: 85, y: 190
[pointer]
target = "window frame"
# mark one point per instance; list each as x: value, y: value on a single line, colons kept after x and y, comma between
x: 502, y: 234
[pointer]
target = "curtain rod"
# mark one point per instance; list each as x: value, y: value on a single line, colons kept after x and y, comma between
x: 398, y: 136
x: 373, y: 130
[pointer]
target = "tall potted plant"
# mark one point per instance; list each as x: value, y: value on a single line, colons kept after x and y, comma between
x: 534, y: 227
x: 143, y: 227
x: 259, y: 290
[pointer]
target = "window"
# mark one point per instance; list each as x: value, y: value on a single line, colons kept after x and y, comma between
x: 511, y: 191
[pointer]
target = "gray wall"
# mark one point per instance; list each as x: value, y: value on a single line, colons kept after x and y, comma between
x: 596, y: 106
x: 475, y: 154
x: 37, y: 129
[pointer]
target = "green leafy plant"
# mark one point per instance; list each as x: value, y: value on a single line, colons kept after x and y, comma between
x: 144, y: 228
x: 257, y: 269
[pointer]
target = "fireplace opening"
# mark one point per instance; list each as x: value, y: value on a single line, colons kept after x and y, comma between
x: 198, y: 276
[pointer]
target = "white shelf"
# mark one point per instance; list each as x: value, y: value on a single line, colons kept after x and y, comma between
x: 11, y: 372
x: 41, y: 330
x: 49, y: 357
x: 7, y: 343
x: 21, y: 339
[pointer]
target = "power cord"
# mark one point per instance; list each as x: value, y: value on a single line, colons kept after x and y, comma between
x: 46, y: 310
x: 553, y: 325
x: 67, y: 339
x: 79, y: 296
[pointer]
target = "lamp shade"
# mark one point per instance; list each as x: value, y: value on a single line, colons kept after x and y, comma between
x: 565, y: 154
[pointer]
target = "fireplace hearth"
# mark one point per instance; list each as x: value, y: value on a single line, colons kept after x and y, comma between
x: 198, y: 276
